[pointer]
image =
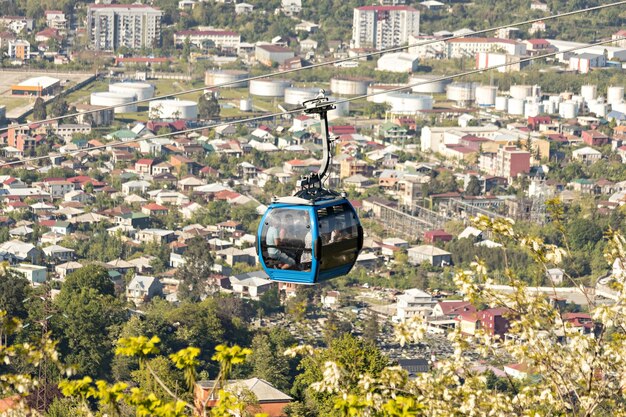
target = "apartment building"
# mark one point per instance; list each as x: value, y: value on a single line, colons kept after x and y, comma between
x: 217, y: 37
x: 382, y: 27
x: 469, y: 47
x: 508, y: 162
x: 19, y: 49
x: 111, y: 26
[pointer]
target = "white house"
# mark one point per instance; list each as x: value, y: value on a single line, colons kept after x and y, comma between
x: 34, y: 273
x: 431, y: 254
x: 414, y: 302
x: 63, y: 270
x: 142, y: 288
x: 251, y: 284
x: 587, y: 155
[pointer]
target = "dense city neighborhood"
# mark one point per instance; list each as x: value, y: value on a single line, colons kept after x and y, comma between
x: 141, y: 145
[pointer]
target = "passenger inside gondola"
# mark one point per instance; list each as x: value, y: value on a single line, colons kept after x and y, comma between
x: 286, y: 241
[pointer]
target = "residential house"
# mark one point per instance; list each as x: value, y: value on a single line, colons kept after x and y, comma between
x: 135, y: 187
x: 434, y: 236
x: 232, y: 256
x: 78, y: 196
x: 517, y: 370
x: 414, y: 302
x: 153, y: 209
x: 120, y: 265
x: 492, y: 321
x: 251, y: 284
x: 230, y: 226
x: 21, y: 232
x: 143, y: 288
x: 267, y: 399
x: 58, y: 254
x: 595, y: 138
x: 135, y: 220
x: 452, y: 308
x: 358, y: 182
x: 57, y: 188
x: 414, y: 366
x: 159, y: 236
x: 586, y: 155
x: 35, y: 274
x: 431, y: 254
x: 331, y: 299
x: 144, y: 166
x: 555, y: 275
x: 64, y: 269
x: 188, y: 183
x: 22, y: 251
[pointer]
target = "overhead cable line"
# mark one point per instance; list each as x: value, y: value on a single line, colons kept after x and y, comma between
x: 301, y: 109
x: 326, y: 63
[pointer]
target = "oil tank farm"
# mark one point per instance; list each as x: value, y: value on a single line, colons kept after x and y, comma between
x: 427, y: 84
x: 217, y: 77
x: 120, y: 99
x: 349, y: 86
x: 173, y: 109
x: 296, y: 96
x: 486, y: 95
x: 142, y: 91
x: 408, y: 102
x: 269, y: 87
x: 461, y: 93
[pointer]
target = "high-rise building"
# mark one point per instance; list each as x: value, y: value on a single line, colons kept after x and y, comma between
x: 111, y: 26
x: 383, y: 27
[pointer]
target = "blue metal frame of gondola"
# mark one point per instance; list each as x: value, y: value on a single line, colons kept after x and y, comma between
x: 311, y: 198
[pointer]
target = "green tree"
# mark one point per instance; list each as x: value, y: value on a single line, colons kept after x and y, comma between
x: 473, y: 187
x: 58, y: 107
x: 14, y: 289
x: 85, y: 327
x: 582, y: 232
x: 371, y: 329
x: 269, y: 363
x: 208, y: 107
x: 194, y: 273
x: 39, y: 109
x: 355, y: 356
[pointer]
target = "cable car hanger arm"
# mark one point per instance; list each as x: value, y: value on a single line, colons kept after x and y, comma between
x: 311, y: 186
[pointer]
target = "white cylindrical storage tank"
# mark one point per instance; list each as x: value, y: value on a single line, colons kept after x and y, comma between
x: 173, y: 109
x: 342, y: 109
x: 462, y: 93
x: 502, y: 103
x: 521, y: 91
x: 615, y: 95
x: 142, y: 91
x: 379, y: 90
x: 533, y: 109
x: 233, y: 77
x: 516, y: 106
x: 408, y: 102
x: 620, y: 107
x: 245, y: 104
x: 114, y: 99
x: 426, y: 84
x: 268, y: 87
x: 568, y: 110
x: 589, y: 92
x: 598, y: 108
x: 347, y: 86
x: 549, y: 107
x: 486, y: 95
x: 296, y: 96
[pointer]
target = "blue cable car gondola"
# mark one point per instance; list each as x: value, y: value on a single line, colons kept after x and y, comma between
x: 314, y: 235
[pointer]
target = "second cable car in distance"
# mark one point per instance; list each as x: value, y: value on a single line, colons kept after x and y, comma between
x: 314, y: 235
